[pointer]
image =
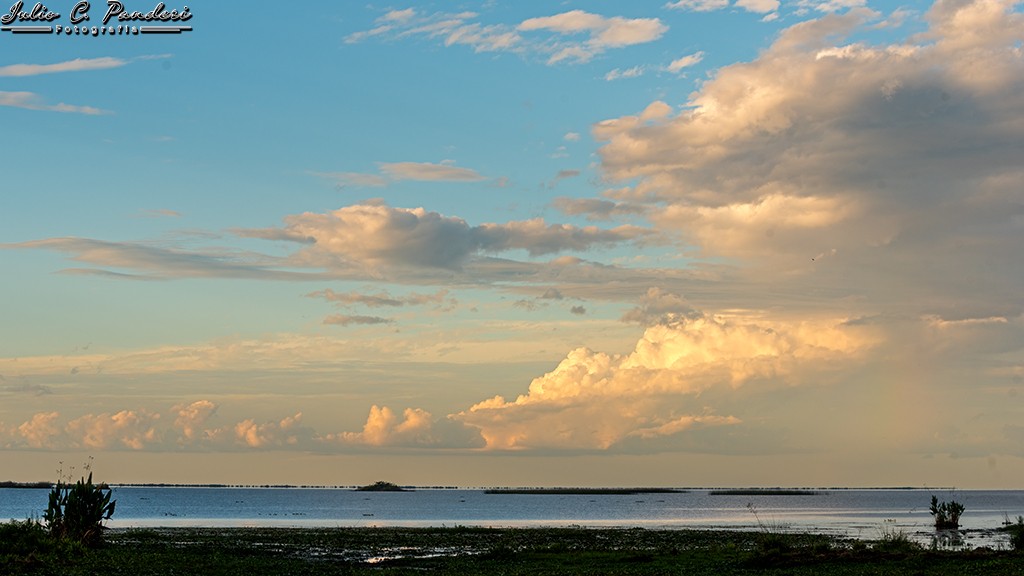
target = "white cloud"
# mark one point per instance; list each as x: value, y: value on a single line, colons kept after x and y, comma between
x: 32, y: 101
x: 399, y: 15
x: 826, y: 6
x: 271, y: 434
x: 603, y: 33
x: 550, y: 36
x: 759, y: 6
x: 76, y: 65
x: 191, y: 418
x: 40, y: 431
x: 400, y: 171
x: 679, y: 64
x: 451, y: 29
x: 617, y: 74
x: 594, y: 400
x: 878, y: 155
x: 698, y: 5
x: 125, y: 429
x: 571, y: 137
x: 383, y: 427
x: 429, y: 172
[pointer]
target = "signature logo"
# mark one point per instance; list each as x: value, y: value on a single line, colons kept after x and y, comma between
x: 117, y: 20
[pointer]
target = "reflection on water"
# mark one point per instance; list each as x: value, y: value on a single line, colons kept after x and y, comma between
x: 860, y: 514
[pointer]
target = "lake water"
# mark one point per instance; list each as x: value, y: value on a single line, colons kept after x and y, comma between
x: 862, y: 514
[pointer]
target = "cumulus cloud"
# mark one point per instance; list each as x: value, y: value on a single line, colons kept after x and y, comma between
x: 413, y: 428
x: 876, y: 156
x: 377, y: 235
x: 134, y: 429
x: 659, y: 305
x: 191, y: 418
x: 271, y: 434
x: 594, y: 400
x: 383, y: 427
x: 40, y: 430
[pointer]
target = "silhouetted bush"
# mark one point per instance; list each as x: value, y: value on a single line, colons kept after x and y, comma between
x: 76, y: 511
x: 947, y: 514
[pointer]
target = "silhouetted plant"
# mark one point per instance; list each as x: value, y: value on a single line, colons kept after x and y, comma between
x: 1016, y: 534
x: 947, y: 514
x: 76, y: 511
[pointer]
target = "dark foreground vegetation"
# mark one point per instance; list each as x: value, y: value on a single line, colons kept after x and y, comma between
x: 27, y: 548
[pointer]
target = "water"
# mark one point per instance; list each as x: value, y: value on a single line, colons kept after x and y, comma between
x: 861, y: 514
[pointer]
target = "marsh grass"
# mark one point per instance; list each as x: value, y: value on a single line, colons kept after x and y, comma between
x: 519, y: 551
x: 892, y: 539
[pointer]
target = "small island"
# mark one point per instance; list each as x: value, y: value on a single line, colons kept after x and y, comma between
x: 381, y: 486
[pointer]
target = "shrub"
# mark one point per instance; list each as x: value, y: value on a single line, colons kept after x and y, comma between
x: 947, y: 514
x: 1016, y: 534
x: 23, y: 538
x: 76, y: 511
x: 895, y: 541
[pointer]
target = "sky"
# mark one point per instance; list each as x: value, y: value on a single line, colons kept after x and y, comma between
x: 497, y: 243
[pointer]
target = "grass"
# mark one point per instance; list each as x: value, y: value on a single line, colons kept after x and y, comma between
x: 464, y: 550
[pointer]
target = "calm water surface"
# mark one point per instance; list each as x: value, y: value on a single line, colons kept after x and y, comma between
x: 865, y: 514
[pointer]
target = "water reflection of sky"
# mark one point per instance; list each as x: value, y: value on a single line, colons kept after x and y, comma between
x: 860, y: 514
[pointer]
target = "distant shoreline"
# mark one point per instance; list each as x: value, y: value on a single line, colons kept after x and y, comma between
x: 585, y: 491
x: 517, y: 489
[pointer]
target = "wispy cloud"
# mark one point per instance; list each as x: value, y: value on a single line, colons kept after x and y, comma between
x: 383, y: 299
x: 355, y: 320
x: 603, y: 33
x: 678, y: 65
x: 618, y: 74
x: 758, y: 6
x: 429, y: 172
x: 76, y: 65
x: 33, y: 101
x: 554, y: 37
x: 399, y: 171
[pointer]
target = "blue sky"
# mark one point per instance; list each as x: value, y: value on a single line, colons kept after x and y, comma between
x: 523, y: 242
